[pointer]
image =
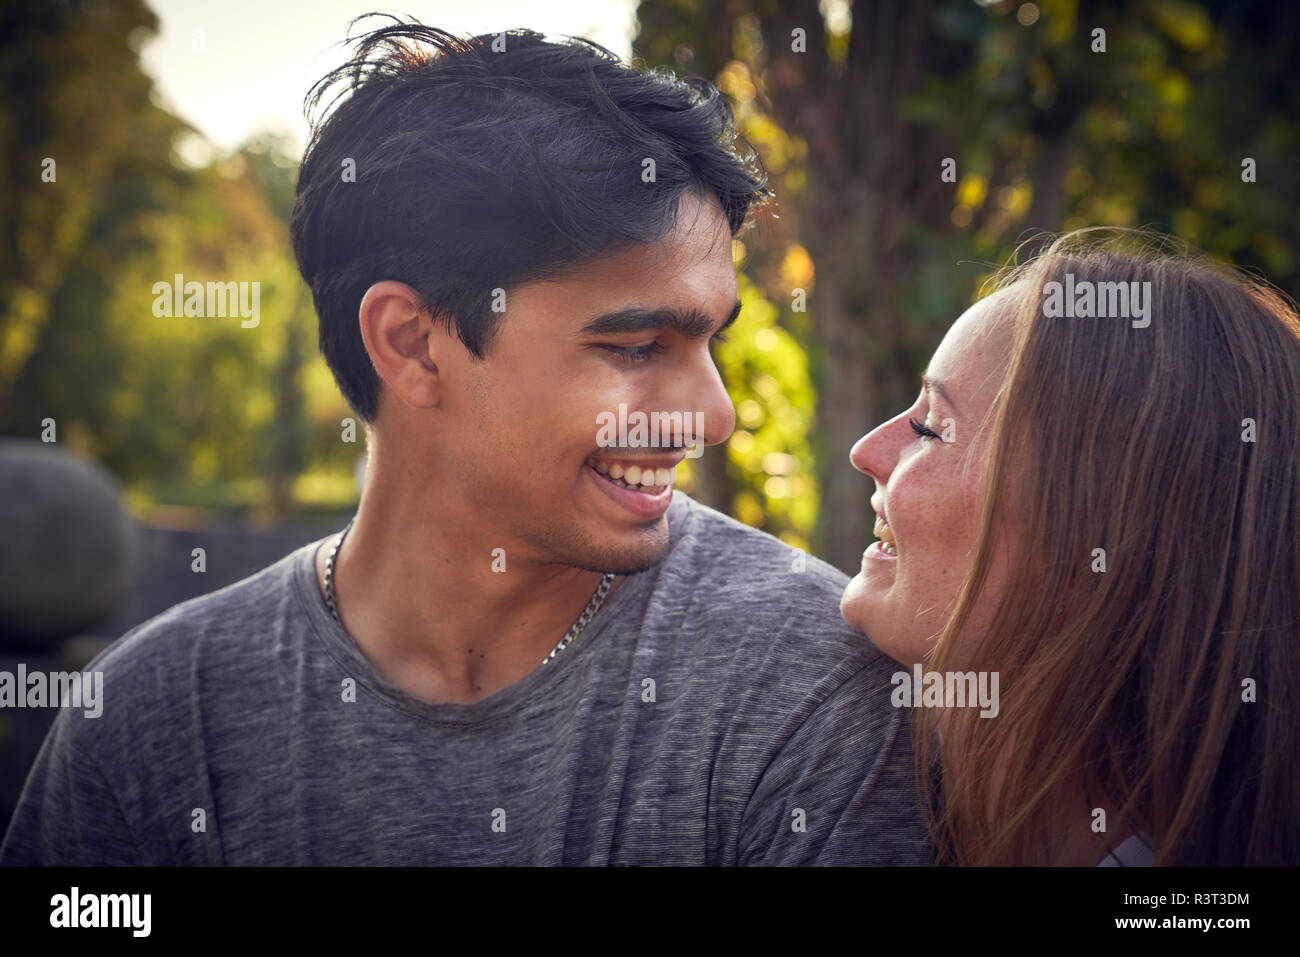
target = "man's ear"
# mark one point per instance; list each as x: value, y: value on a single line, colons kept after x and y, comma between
x: 398, y: 334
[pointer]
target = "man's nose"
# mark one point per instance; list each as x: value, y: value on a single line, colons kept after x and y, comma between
x: 713, y: 413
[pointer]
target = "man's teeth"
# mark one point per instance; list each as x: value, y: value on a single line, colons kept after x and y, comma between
x: 883, y: 532
x: 634, y: 476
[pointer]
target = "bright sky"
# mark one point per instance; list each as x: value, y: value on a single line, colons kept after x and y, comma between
x: 241, y: 66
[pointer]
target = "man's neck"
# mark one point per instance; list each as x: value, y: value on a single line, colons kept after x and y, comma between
x: 442, y: 627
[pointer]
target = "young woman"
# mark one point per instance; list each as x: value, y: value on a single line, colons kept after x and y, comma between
x: 1096, y: 497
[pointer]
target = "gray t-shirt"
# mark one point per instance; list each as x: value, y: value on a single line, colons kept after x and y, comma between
x: 767, y: 736
x: 1135, y: 851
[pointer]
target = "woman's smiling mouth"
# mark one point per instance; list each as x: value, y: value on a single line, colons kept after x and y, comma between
x: 883, y: 532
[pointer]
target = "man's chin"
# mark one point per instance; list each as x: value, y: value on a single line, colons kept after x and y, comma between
x: 646, y: 549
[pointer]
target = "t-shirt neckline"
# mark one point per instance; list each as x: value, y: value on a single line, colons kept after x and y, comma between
x: 343, y: 649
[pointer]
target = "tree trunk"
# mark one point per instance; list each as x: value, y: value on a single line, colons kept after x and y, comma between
x: 844, y: 414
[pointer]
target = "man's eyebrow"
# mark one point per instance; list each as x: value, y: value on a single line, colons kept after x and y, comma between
x: 691, y: 323
x: 937, y: 386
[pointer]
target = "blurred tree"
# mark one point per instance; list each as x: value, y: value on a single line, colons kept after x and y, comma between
x: 192, y: 411
x: 83, y: 158
x: 838, y: 82
x: 768, y: 464
x: 849, y: 280
x: 1048, y: 125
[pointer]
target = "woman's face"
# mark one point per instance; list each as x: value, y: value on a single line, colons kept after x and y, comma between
x: 929, y: 490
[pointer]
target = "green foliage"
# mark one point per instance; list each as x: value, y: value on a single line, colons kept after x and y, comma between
x: 83, y: 157
x: 186, y: 411
x: 1046, y: 133
x: 770, y: 458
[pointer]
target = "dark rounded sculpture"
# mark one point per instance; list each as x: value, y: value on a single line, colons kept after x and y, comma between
x: 67, y: 546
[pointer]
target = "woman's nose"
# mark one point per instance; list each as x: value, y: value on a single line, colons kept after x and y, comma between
x: 872, y: 454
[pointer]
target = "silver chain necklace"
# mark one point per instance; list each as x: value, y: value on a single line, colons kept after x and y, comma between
x: 593, y: 606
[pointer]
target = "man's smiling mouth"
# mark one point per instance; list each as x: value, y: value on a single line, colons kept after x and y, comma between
x: 649, y: 477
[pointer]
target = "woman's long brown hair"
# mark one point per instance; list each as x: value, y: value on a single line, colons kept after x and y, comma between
x: 1169, y: 683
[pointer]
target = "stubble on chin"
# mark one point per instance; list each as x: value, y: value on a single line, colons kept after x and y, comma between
x: 623, y: 555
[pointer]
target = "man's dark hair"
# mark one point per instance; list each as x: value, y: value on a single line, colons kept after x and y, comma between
x: 477, y: 170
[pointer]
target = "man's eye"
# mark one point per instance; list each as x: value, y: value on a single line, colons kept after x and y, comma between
x: 636, y: 353
x: 719, y: 337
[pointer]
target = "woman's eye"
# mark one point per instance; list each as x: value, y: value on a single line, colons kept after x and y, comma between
x: 636, y: 353
x: 922, y: 430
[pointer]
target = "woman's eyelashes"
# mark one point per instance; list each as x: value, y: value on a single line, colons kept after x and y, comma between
x: 922, y: 430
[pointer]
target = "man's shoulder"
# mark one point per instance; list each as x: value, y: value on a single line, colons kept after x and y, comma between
x: 800, y: 700
x: 774, y: 606
x: 717, y: 545
x: 231, y: 619
x: 155, y: 676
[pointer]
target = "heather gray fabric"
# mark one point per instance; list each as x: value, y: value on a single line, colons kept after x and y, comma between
x: 225, y: 738
x: 1135, y: 851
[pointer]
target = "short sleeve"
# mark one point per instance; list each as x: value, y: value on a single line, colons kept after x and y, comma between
x: 68, y: 814
x: 842, y: 790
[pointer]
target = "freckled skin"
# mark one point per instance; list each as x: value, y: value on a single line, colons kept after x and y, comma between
x: 931, y: 491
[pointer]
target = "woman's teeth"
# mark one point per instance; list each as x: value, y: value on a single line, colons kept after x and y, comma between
x: 634, y: 476
x: 883, y: 532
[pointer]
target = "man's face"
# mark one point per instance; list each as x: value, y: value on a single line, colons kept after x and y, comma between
x: 524, y: 425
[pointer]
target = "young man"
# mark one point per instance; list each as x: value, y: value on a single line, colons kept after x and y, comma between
x: 527, y: 649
